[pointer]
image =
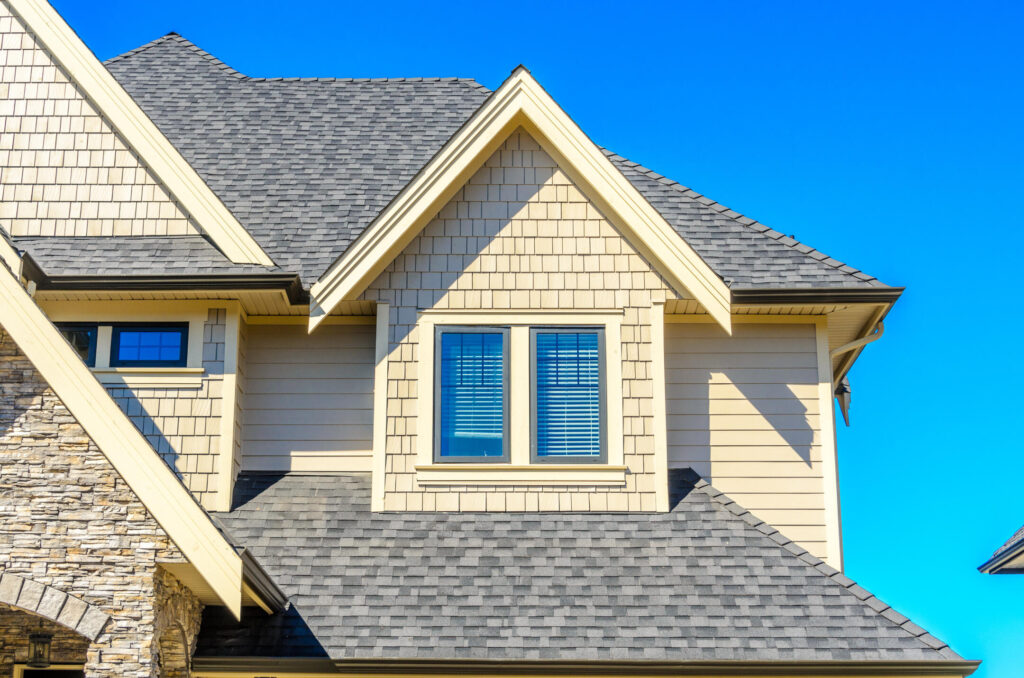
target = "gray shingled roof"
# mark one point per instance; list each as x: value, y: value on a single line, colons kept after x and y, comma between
x: 707, y: 581
x: 1013, y: 541
x: 185, y: 255
x: 306, y: 164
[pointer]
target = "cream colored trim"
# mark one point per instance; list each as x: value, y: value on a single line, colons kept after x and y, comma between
x: 660, y: 416
x: 380, y: 407
x: 162, y: 158
x: 519, y: 102
x: 151, y: 377
x: 519, y: 320
x: 304, y: 320
x: 131, y: 455
x: 229, y: 397
x: 10, y: 257
x: 515, y: 474
x: 829, y: 453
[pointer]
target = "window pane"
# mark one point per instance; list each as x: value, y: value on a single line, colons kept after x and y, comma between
x: 472, y: 394
x: 568, y: 395
x: 83, y: 340
x: 156, y: 346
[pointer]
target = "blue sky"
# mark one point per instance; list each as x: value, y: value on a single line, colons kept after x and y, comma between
x: 886, y: 134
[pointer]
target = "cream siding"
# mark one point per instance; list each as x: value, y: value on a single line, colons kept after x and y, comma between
x: 308, y: 398
x: 744, y: 412
x: 520, y: 235
x: 63, y: 169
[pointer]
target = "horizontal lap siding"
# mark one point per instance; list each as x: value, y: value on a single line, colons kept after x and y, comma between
x: 309, y: 398
x: 743, y: 411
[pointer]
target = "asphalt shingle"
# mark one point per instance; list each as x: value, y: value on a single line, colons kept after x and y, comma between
x: 705, y: 581
x: 184, y: 255
x: 307, y: 163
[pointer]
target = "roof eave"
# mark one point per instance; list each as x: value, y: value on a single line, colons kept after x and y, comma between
x: 816, y: 295
x: 995, y: 564
x: 213, y: 665
x: 288, y: 282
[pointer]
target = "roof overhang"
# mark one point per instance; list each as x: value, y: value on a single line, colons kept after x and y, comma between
x: 172, y: 506
x: 288, y: 282
x: 817, y: 295
x: 1009, y: 560
x: 520, y: 102
x: 250, y: 666
x: 139, y: 132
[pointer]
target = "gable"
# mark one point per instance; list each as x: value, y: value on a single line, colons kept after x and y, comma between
x: 519, y: 234
x: 80, y: 158
x: 520, y: 102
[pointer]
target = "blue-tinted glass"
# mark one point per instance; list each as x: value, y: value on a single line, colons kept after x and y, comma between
x: 149, y: 346
x: 472, y: 394
x: 568, y: 394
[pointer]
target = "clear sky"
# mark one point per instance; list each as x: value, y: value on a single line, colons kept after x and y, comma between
x: 887, y: 134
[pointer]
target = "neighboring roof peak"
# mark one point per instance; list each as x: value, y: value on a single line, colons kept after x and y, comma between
x: 177, y: 39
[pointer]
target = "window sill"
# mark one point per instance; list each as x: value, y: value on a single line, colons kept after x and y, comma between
x: 151, y: 377
x: 536, y: 474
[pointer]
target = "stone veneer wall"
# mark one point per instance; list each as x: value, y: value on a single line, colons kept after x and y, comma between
x: 520, y: 235
x: 69, y: 521
x: 63, y: 169
x: 183, y: 424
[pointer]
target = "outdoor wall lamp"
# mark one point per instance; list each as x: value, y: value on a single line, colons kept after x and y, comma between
x: 39, y: 650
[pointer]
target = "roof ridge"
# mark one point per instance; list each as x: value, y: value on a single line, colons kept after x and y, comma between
x: 187, y: 44
x: 192, y: 47
x: 743, y: 220
x: 880, y: 607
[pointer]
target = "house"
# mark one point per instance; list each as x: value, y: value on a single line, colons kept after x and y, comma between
x: 305, y: 377
x: 1008, y: 558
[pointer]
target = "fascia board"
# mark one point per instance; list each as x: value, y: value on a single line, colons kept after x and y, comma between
x: 131, y: 455
x: 144, y: 137
x: 520, y: 101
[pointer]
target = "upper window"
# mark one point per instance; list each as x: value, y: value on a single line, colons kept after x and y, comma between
x: 82, y: 337
x: 144, y: 345
x: 472, y: 399
x: 567, y: 384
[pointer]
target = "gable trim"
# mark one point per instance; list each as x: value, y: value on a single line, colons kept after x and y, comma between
x: 520, y: 102
x: 131, y: 455
x: 141, y: 134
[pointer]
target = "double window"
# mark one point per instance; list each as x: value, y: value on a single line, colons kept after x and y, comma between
x: 131, y: 344
x: 567, y: 420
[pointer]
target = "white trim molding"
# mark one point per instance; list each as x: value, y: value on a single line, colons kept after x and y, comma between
x: 520, y: 102
x: 139, y: 132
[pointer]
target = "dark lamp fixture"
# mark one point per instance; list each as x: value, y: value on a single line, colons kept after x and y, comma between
x: 39, y: 650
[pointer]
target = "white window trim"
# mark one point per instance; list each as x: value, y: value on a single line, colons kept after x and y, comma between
x: 104, y: 314
x: 519, y: 470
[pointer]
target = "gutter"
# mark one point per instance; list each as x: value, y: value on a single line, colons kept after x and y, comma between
x: 289, y: 282
x: 210, y: 666
x: 816, y: 295
x: 995, y: 563
x: 260, y: 585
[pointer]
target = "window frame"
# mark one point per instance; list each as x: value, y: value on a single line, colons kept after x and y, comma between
x: 505, y: 333
x: 602, y: 381
x: 115, y: 334
x: 90, y: 360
